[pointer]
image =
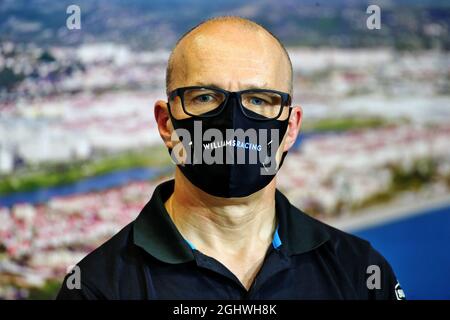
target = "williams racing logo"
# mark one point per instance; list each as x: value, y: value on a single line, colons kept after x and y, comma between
x: 399, y: 294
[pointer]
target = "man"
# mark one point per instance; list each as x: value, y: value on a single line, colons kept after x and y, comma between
x: 221, y: 230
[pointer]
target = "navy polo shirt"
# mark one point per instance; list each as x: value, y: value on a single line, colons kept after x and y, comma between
x: 149, y: 259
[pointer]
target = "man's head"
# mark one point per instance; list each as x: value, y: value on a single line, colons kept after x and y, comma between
x: 232, y: 54
x: 225, y: 49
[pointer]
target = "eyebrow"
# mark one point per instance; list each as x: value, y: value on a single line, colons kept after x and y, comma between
x: 248, y: 86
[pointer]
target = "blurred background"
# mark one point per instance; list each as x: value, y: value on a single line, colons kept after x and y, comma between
x: 80, y: 154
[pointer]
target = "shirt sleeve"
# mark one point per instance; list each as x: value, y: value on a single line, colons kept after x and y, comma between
x: 83, y: 293
x: 382, y: 282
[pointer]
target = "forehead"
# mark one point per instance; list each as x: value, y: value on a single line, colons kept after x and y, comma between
x: 231, y: 59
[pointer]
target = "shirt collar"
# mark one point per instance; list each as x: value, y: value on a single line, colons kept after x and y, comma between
x: 154, y: 231
x: 298, y: 231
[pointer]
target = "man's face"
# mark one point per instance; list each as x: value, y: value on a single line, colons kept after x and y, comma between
x: 233, y: 58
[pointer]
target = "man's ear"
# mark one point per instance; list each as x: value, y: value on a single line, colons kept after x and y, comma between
x: 295, y: 122
x: 165, y: 126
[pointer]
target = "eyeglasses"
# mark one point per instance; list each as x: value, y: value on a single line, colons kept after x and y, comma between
x: 206, y: 102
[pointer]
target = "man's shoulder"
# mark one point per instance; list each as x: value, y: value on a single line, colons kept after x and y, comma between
x: 313, y: 233
x: 102, y: 270
x: 345, y: 246
x: 357, y: 259
x: 111, y: 252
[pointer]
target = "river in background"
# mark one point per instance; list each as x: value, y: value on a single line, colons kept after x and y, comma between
x: 91, y: 184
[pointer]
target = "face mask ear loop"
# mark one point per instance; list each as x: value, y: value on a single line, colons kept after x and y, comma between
x: 267, y: 159
x: 283, y: 156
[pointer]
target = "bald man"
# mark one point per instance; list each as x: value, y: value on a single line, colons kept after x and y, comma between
x: 221, y: 229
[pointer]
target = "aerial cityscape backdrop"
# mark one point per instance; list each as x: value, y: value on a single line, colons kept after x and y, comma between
x: 80, y: 153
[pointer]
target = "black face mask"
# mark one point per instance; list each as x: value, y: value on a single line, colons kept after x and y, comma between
x: 225, y: 179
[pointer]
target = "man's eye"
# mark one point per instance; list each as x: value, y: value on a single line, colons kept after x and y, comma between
x: 204, y: 98
x: 257, y: 101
